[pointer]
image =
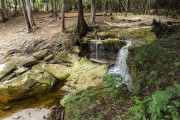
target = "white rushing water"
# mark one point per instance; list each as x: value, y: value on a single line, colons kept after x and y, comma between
x: 121, y: 67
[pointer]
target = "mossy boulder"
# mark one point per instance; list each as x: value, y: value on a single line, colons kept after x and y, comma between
x: 75, y: 49
x: 49, y: 57
x: 39, y: 68
x: 6, y: 69
x: 26, y: 61
x: 21, y: 70
x: 84, y: 74
x: 25, y: 85
x: 67, y: 58
x: 61, y: 72
x: 40, y: 54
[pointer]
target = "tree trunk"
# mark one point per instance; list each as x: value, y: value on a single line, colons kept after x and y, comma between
x: 52, y: 6
x: 16, y: 13
x: 62, y: 15
x: 126, y: 7
x: 29, y: 13
x: 93, y: 12
x: 25, y: 15
x: 54, y: 9
x: 2, y: 8
x: 168, y: 8
x: 82, y: 26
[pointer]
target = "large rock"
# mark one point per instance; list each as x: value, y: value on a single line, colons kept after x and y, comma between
x: 6, y: 69
x: 67, y: 58
x: 75, y: 49
x: 39, y: 68
x: 26, y: 61
x: 61, y: 72
x: 25, y: 85
x: 84, y: 74
x: 40, y: 54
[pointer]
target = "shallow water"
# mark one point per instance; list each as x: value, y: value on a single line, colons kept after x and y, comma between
x: 30, y: 114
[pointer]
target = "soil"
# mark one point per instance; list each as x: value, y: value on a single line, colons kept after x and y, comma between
x: 14, y: 38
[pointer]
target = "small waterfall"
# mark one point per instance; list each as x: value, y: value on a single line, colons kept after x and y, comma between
x: 96, y: 48
x: 121, y: 68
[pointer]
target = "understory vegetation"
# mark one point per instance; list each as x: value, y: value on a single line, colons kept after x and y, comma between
x: 156, y: 88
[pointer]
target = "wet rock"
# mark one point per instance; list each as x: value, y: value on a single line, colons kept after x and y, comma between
x: 40, y: 54
x: 84, y: 74
x: 39, y: 68
x: 75, y: 49
x: 49, y: 57
x: 6, y: 69
x: 21, y: 70
x: 61, y: 72
x: 25, y: 85
x: 67, y: 58
x: 26, y: 61
x: 12, y: 75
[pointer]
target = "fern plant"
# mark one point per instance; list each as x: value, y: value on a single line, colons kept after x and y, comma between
x: 163, y: 105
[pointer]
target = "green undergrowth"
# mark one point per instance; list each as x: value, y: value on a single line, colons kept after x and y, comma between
x: 100, y: 103
x: 155, y: 66
x: 162, y: 105
x: 156, y: 88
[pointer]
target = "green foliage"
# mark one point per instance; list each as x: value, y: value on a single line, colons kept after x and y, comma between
x: 114, y: 80
x: 91, y: 104
x: 152, y: 61
x: 163, y: 105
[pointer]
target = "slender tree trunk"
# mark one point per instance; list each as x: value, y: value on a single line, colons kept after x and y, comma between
x: 2, y: 8
x: 29, y: 13
x: 25, y: 15
x: 82, y: 26
x: 63, y: 15
x: 169, y: 8
x: 93, y: 12
x: 54, y: 8
x: 126, y: 7
x: 123, y: 6
x: 73, y: 5
x: 15, y: 1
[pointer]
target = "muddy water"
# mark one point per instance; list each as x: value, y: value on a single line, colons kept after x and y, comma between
x: 45, y: 101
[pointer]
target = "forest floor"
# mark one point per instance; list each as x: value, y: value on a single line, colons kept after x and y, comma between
x: 14, y: 38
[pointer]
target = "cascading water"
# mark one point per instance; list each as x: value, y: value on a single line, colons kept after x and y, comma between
x: 121, y: 69
x: 97, y: 48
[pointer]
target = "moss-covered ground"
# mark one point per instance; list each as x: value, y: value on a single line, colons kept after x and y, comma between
x: 154, y: 66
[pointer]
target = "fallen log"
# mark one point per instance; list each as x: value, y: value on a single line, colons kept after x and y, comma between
x: 161, y: 29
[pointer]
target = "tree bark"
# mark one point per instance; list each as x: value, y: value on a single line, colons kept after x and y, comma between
x: 54, y: 8
x: 169, y: 8
x: 2, y: 8
x: 126, y: 7
x: 93, y: 12
x: 63, y: 15
x: 25, y: 15
x: 82, y: 26
x: 29, y: 13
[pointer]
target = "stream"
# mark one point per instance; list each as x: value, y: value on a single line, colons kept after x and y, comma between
x: 121, y: 67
